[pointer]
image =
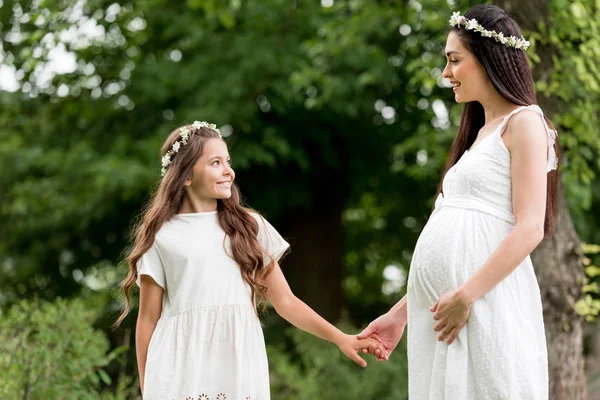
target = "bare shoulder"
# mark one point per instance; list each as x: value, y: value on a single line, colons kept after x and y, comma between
x: 525, y: 128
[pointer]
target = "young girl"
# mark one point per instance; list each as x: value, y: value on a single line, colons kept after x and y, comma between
x: 201, y: 259
x: 473, y: 306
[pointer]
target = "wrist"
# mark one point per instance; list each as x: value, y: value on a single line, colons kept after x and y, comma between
x: 399, y: 312
x: 338, y: 338
x: 466, y: 295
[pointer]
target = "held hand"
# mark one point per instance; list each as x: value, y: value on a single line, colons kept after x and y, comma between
x: 388, y: 330
x: 351, y: 345
x: 450, y: 314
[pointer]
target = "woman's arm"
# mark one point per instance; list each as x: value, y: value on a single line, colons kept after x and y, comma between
x: 149, y: 312
x: 527, y: 136
x: 296, y: 312
x: 527, y: 140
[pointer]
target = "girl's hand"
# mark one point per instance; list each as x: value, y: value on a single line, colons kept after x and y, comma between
x: 451, y: 313
x: 351, y: 345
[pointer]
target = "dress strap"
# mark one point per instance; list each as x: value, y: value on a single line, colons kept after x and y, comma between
x: 552, y: 163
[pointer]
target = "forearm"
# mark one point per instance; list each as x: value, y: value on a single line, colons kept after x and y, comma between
x: 143, y: 334
x: 399, y: 309
x: 297, y: 313
x: 509, y: 255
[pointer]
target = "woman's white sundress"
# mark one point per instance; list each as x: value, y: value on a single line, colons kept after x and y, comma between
x: 208, y: 343
x: 500, y: 354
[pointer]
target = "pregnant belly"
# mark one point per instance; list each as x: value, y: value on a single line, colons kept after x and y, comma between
x: 454, y: 244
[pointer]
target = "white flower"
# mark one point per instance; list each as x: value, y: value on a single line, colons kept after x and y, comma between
x: 203, y: 124
x: 166, y: 160
x: 472, y: 24
x: 184, y: 133
x: 455, y: 18
x: 500, y: 38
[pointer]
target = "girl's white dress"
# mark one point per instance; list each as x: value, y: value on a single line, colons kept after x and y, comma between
x: 500, y: 354
x: 208, y: 343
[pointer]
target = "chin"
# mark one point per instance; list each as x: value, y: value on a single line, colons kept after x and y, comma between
x: 222, y: 194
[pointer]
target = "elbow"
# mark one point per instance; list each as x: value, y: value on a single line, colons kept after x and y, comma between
x: 537, y: 233
x: 284, y: 306
x: 148, y: 319
x: 534, y: 232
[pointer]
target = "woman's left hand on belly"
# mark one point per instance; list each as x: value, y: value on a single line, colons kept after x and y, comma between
x: 450, y: 314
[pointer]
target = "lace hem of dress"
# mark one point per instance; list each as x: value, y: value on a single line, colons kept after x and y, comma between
x: 220, y: 396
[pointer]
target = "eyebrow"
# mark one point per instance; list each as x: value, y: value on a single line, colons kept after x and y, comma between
x: 449, y: 53
x: 219, y: 157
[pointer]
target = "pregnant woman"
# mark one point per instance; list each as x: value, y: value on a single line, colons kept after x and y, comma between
x: 473, y: 306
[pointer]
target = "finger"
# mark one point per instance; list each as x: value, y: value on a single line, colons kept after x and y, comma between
x: 440, y: 325
x: 445, y: 332
x: 385, y: 357
x: 377, y: 348
x: 435, y: 306
x: 370, y: 350
x: 371, y: 345
x: 368, y: 331
x: 437, y: 316
x: 453, y: 336
x: 358, y: 359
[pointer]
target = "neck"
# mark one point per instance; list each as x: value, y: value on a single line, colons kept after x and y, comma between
x: 495, y: 106
x: 193, y: 203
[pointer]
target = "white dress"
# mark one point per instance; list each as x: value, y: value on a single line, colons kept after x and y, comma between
x: 500, y: 354
x: 208, y: 343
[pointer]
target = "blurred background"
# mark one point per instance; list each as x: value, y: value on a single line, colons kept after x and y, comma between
x: 338, y: 123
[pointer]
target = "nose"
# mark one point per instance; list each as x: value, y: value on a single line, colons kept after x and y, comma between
x: 446, y: 73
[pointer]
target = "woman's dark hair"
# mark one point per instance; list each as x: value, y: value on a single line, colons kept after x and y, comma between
x: 509, y: 72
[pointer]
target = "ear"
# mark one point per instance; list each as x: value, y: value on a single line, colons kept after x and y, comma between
x: 187, y: 182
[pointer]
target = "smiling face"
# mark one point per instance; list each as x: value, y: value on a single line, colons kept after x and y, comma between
x: 212, y: 175
x: 468, y: 77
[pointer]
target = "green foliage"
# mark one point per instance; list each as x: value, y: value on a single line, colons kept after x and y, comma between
x: 589, y: 305
x: 52, y: 351
x: 322, y: 372
x: 575, y: 80
x: 301, y: 87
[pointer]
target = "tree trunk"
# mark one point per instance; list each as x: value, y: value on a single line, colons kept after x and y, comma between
x: 557, y: 260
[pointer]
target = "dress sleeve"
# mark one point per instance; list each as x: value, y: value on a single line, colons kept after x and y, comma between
x: 274, y: 246
x: 151, y: 264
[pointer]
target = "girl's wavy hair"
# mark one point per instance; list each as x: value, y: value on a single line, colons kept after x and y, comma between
x: 234, y: 218
x: 509, y: 72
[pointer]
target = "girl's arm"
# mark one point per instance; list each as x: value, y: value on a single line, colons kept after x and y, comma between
x: 296, y: 312
x: 149, y: 312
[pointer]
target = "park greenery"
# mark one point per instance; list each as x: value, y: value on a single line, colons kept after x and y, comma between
x: 338, y: 124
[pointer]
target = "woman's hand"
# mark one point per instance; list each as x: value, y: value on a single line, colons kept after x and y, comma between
x: 451, y: 313
x: 351, y: 345
x: 387, y: 330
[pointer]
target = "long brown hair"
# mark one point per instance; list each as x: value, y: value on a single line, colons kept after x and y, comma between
x: 235, y: 219
x: 509, y: 72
